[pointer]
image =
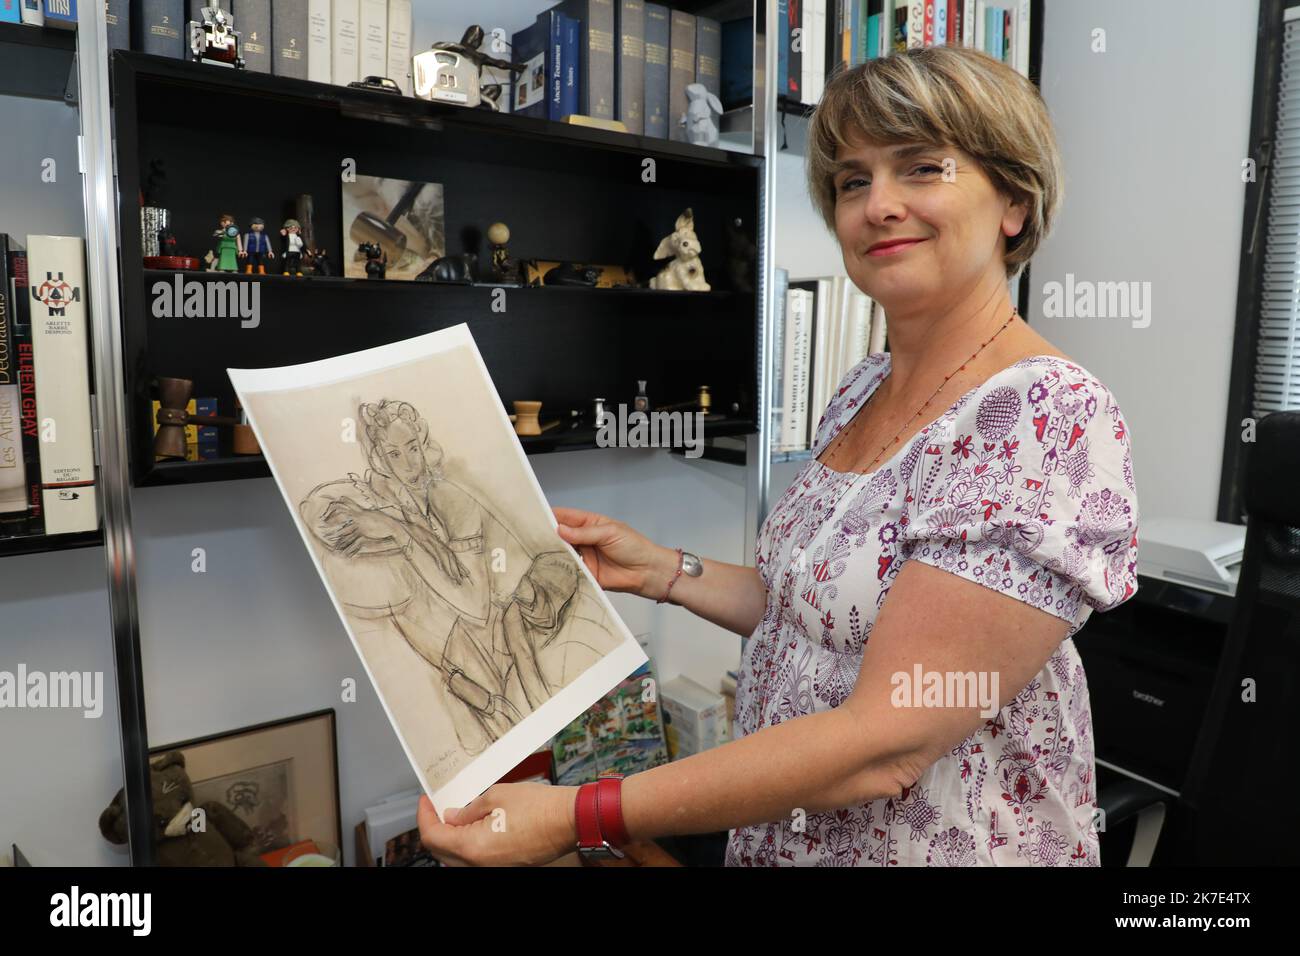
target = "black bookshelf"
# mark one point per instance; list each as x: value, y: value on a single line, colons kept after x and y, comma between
x: 249, y: 143
x: 36, y: 61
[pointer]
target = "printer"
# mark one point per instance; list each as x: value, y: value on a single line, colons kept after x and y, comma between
x: 1199, y: 554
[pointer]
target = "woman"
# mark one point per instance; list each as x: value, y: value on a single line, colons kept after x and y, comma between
x: 969, y: 504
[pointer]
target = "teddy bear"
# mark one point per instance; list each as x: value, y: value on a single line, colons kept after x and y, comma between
x: 216, y: 837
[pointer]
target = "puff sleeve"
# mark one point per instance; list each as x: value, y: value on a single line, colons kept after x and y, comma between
x: 1027, y: 488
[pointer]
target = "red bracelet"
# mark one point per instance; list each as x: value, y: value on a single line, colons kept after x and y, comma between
x: 675, y: 577
x: 599, y: 816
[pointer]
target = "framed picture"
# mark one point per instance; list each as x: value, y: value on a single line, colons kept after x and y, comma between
x: 403, y: 218
x: 281, y: 778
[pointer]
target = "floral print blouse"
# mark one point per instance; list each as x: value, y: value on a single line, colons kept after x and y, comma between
x: 1024, y: 485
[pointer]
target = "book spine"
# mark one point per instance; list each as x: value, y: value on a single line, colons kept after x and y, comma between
x: 708, y: 54
x: 941, y: 22
x: 798, y: 342
x: 159, y: 27
x: 26, y: 360
x: 345, y: 58
x: 289, y: 38
x: 968, y: 17
x: 554, y: 63
x: 118, y: 15
x: 657, y: 44
x: 794, y: 49
x: 631, y: 65
x: 62, y: 366
x: 13, y: 480
x: 1021, y: 30
x: 781, y: 36
x: 915, y: 23
x: 596, y: 80
x: 374, y: 38
x: 10, y: 12
x: 681, y: 70
x: 253, y: 22
x: 320, y: 37
x: 33, y: 14
x: 808, y: 40
x: 399, y: 44
x: 570, y: 57
x: 61, y: 14
x: 528, y: 47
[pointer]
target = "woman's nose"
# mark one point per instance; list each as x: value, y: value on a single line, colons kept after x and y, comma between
x: 883, y: 201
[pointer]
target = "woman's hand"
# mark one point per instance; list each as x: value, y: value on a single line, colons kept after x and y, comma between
x: 619, y: 558
x: 512, y: 824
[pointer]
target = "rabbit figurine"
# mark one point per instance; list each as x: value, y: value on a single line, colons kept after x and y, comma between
x: 698, y: 118
x: 685, y: 272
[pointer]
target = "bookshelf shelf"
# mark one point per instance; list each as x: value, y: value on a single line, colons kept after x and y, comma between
x: 36, y: 61
x: 39, y: 543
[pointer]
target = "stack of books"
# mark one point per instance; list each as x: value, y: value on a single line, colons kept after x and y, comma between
x: 47, y: 455
x: 823, y: 328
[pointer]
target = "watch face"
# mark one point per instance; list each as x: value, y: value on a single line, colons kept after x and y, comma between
x: 691, y: 565
x: 232, y: 231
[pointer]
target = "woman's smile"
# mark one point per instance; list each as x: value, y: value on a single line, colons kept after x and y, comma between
x: 894, y: 247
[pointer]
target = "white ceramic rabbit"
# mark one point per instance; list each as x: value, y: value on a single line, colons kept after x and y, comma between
x: 685, y: 272
x: 698, y: 118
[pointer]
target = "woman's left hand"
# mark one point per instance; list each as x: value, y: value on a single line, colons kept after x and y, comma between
x: 512, y: 824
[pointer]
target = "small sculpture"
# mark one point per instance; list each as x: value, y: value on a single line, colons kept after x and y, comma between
x: 229, y: 247
x: 698, y: 118
x: 293, y: 247
x: 685, y: 272
x: 376, y: 259
x: 257, y: 247
x: 451, y: 71
x: 505, y: 271
x: 215, y: 40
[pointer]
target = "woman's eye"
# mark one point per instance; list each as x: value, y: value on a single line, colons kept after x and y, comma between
x: 848, y: 184
x: 927, y: 167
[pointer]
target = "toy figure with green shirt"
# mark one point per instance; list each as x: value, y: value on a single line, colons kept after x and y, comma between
x: 229, y: 246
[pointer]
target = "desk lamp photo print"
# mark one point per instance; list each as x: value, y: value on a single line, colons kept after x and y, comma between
x: 481, y: 630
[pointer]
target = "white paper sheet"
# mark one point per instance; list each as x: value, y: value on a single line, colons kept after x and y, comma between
x: 478, y: 668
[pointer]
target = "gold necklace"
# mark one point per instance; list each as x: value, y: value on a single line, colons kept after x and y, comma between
x: 840, y: 436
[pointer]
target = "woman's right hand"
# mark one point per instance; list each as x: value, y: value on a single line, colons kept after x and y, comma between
x: 619, y: 558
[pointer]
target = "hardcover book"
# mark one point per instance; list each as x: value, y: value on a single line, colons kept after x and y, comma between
x: 289, y: 38
x: 708, y: 55
x: 320, y: 37
x: 399, y: 44
x: 10, y: 12
x: 253, y: 23
x: 345, y: 49
x: 13, y: 470
x: 374, y: 38
x: 159, y: 27
x: 24, y: 362
x: 61, y: 14
x: 631, y: 64
x: 656, y: 70
x: 33, y: 14
x: 681, y: 70
x: 595, y: 56
x: 62, y: 365
x: 118, y: 15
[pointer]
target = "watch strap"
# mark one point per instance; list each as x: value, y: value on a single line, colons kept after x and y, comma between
x: 609, y: 810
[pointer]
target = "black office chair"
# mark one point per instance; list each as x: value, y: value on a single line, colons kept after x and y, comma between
x: 1244, y: 775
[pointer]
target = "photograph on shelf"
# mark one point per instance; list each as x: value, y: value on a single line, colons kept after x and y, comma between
x: 405, y: 220
x: 623, y: 732
x: 480, y: 629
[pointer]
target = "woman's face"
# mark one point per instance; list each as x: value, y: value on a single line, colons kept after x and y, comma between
x: 940, y: 200
x: 402, y: 452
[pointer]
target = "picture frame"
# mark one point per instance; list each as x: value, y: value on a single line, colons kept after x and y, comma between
x: 280, y: 777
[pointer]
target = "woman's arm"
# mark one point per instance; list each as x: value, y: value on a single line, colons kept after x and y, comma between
x: 733, y: 596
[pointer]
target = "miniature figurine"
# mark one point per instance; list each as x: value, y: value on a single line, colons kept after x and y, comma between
x: 257, y: 247
x: 685, y: 272
x: 229, y: 246
x: 701, y: 128
x: 505, y: 271
x: 451, y: 71
x: 293, y: 247
x: 215, y: 40
x: 376, y: 259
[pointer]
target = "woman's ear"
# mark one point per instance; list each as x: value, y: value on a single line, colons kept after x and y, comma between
x: 1014, y: 217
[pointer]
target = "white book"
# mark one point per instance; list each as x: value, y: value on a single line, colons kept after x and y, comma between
x: 823, y: 343
x: 807, y: 45
x: 916, y: 23
x: 33, y: 12
x: 320, y: 40
x: 794, y: 398
x: 387, y: 820
x: 399, y: 44
x: 981, y: 14
x: 969, y: 18
x: 877, y: 343
x: 345, y: 57
x: 60, y: 351
x: 776, y: 354
x: 860, y: 329
x: 1020, y: 28
x: 819, y: 61
x: 374, y: 38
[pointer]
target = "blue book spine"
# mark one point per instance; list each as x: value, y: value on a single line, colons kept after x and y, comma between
x: 657, y: 36
x: 10, y: 12
x: 554, y: 63
x: 58, y: 13
x: 118, y: 13
x: 941, y: 22
x: 528, y: 47
x: 873, y: 36
x: 572, y: 35
x: 783, y: 44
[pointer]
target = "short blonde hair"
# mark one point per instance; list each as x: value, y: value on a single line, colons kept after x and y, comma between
x: 945, y: 96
